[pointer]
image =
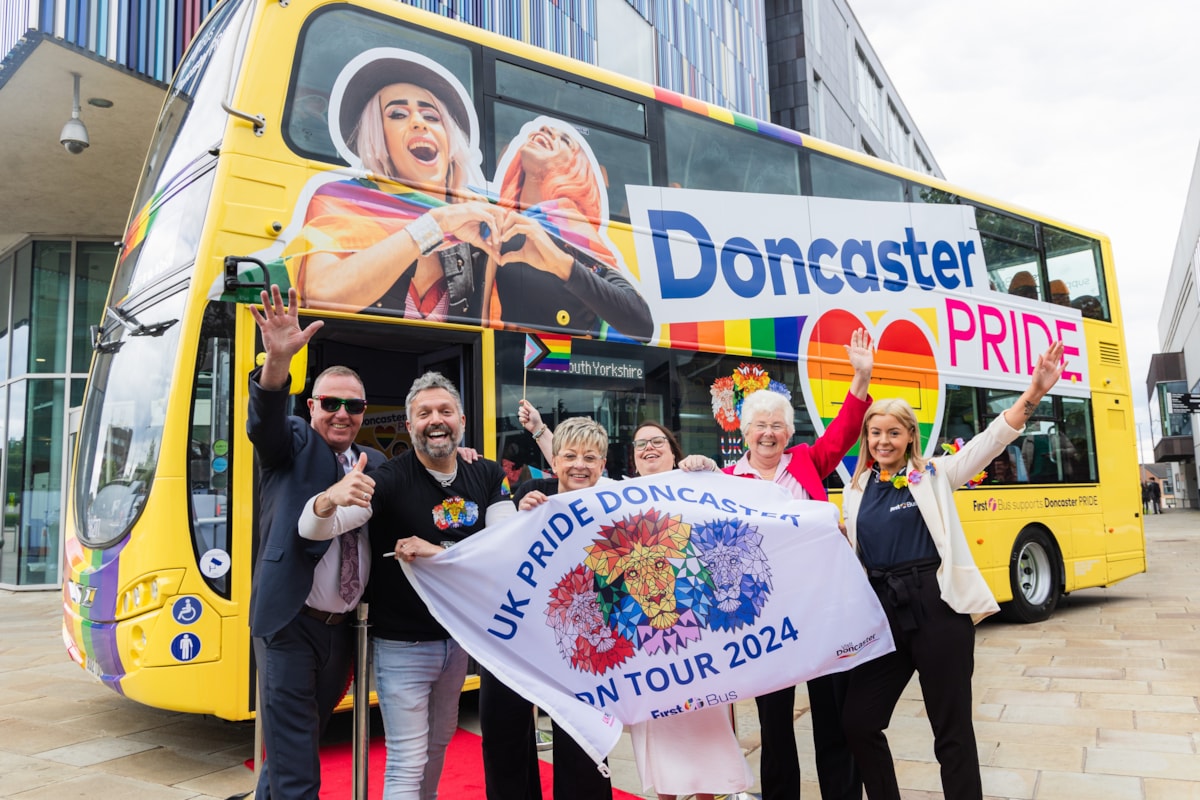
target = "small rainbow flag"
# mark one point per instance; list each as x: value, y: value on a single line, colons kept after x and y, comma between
x: 557, y: 347
x: 535, y: 351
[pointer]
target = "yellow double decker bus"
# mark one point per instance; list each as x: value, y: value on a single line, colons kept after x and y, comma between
x: 606, y: 248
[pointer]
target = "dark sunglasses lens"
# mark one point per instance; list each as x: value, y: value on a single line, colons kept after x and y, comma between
x: 332, y: 404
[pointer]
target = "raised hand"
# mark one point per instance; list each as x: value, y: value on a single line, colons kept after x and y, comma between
x: 860, y: 352
x: 862, y: 359
x: 529, y: 417
x: 281, y: 334
x: 1048, y: 370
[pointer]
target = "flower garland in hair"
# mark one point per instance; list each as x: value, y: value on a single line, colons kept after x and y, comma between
x: 728, y: 393
x: 953, y: 447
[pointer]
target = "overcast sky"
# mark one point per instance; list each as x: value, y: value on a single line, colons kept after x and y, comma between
x: 1086, y: 110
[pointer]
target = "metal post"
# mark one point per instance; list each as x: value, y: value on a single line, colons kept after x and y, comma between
x: 362, y: 703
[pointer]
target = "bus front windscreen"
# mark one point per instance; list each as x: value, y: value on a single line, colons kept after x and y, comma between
x: 123, y: 419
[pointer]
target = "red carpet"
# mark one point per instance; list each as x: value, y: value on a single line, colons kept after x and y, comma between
x: 462, y: 777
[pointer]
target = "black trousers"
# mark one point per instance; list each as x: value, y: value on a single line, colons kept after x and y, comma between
x: 779, y: 765
x: 510, y: 761
x: 303, y: 671
x: 939, y: 644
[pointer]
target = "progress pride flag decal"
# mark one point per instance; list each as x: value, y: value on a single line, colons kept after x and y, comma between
x: 655, y: 597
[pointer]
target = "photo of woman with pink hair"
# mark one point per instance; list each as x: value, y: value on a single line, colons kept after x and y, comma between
x: 554, y: 271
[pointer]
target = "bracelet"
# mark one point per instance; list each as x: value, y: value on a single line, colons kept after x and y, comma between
x: 426, y: 233
x: 538, y: 435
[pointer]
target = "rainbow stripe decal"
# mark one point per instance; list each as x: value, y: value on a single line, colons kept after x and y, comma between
x: 761, y: 338
x: 728, y: 117
x: 90, y: 627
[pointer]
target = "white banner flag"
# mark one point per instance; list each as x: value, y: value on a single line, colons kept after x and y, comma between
x: 654, y: 597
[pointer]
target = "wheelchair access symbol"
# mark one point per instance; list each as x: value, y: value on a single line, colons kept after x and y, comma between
x: 186, y: 610
x: 185, y: 646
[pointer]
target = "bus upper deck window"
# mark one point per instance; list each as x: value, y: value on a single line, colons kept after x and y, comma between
x: 570, y: 98
x: 1073, y: 267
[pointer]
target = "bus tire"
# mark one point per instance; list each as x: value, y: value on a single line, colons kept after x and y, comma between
x: 1033, y: 574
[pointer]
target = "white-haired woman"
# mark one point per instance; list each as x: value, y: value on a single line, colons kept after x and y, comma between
x: 902, y: 520
x: 767, y: 421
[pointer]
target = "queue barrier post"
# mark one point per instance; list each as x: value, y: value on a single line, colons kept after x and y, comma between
x: 362, y: 703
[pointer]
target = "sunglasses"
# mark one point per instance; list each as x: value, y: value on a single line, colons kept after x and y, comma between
x: 332, y: 404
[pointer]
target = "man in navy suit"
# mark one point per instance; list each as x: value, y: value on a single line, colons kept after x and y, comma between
x: 303, y: 592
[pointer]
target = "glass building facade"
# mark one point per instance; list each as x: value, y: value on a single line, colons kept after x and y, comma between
x: 714, y: 50
x: 51, y: 293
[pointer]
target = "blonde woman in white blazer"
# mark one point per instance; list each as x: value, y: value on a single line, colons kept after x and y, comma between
x: 902, y: 521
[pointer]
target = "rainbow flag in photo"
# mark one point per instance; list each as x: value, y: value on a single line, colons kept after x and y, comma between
x: 558, y: 352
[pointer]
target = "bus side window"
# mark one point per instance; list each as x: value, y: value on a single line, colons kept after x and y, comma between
x: 1010, y: 248
x: 834, y: 178
x: 623, y: 160
x: 705, y: 154
x: 1073, y: 266
x: 210, y: 449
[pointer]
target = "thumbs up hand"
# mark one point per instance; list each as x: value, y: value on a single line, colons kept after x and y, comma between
x: 356, y: 489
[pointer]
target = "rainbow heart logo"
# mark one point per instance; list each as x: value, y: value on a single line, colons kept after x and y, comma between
x: 905, y: 366
x: 384, y: 436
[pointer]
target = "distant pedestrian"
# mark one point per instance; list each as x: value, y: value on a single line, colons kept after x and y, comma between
x: 1155, y: 495
x: 1146, y: 497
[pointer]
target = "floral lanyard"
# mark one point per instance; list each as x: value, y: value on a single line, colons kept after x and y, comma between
x: 914, y: 476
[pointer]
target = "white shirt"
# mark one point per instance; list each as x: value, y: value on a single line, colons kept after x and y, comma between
x: 326, y: 592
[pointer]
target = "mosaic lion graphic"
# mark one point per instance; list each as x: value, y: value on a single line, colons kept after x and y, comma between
x: 652, y: 588
x: 741, y: 576
x: 583, y: 636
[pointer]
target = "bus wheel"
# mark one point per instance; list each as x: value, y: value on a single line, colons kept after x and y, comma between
x: 1033, y: 575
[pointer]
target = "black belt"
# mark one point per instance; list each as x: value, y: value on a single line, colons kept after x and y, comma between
x: 900, y: 584
x: 328, y: 617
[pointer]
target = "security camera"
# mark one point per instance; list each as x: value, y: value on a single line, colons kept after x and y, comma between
x: 74, y: 136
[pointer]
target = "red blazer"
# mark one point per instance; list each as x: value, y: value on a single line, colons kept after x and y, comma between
x: 811, y: 464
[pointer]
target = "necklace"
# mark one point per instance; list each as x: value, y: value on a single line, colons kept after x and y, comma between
x: 444, y: 478
x: 899, y: 480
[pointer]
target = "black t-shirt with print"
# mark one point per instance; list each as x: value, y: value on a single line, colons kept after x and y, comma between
x: 411, y: 502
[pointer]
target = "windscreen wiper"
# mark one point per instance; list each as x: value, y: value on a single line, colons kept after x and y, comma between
x: 135, y: 328
x: 129, y: 323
